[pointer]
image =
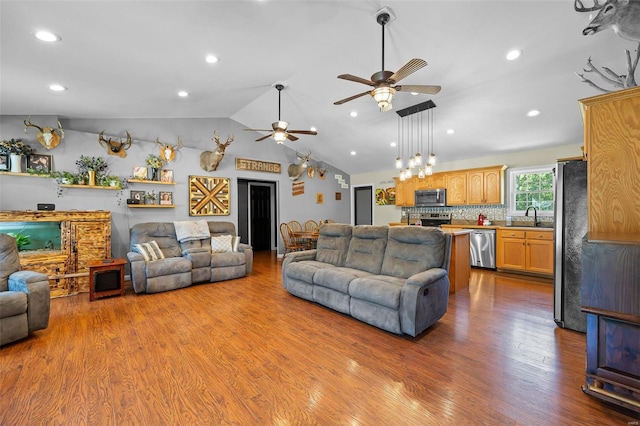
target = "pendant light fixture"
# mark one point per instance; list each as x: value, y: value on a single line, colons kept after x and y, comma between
x: 413, y: 133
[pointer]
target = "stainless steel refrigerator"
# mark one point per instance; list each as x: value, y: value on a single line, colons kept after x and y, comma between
x: 570, y: 228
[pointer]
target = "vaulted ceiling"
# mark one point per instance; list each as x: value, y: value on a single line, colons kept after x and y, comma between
x: 128, y: 59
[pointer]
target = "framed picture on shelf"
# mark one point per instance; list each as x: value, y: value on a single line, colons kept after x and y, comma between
x: 137, y: 195
x: 166, y: 197
x: 39, y: 162
x: 4, y: 162
x: 166, y: 176
x: 140, y: 173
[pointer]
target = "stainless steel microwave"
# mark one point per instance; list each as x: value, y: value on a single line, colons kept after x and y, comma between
x: 431, y: 197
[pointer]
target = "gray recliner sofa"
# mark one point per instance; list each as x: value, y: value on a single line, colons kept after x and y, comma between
x: 394, y: 278
x: 185, y: 262
x: 24, y: 296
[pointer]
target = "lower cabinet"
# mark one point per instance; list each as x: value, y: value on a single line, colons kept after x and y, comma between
x: 526, y: 251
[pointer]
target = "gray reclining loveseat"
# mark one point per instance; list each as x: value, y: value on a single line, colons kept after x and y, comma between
x: 394, y: 278
x: 185, y: 261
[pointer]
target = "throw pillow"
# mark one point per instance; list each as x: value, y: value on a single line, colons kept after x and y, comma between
x: 235, y: 243
x: 150, y: 251
x: 221, y: 244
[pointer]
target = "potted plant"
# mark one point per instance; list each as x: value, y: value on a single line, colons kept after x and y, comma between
x: 91, y: 168
x: 150, y: 197
x: 15, y: 149
x: 111, y: 180
x: 155, y: 163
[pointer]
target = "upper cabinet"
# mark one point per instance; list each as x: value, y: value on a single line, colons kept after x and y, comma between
x: 486, y: 186
x: 405, y: 192
x: 456, y: 189
x: 612, y: 147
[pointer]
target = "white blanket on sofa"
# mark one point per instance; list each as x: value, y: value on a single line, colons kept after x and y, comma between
x: 188, y: 230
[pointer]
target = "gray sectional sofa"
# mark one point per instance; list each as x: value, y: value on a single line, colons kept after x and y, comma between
x: 394, y: 278
x: 185, y: 261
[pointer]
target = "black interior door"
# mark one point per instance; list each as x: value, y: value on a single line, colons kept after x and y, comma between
x: 260, y: 217
x: 363, y: 205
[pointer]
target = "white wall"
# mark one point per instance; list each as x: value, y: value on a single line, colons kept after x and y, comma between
x: 384, y: 179
x: 81, y: 138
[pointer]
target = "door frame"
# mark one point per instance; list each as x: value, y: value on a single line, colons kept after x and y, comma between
x: 274, y: 198
x: 353, y: 201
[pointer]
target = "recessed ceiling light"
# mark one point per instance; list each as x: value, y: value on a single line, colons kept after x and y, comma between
x: 183, y: 94
x: 450, y: 131
x: 533, y: 113
x: 393, y: 144
x: 353, y: 153
x: 313, y: 129
x: 354, y: 113
x: 415, y: 93
x: 514, y: 54
x: 47, y: 36
x: 212, y: 59
x: 57, y: 87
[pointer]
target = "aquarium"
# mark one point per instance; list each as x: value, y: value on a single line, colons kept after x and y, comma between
x: 34, y: 236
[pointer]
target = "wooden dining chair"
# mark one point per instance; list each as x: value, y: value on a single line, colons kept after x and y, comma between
x: 290, y: 243
x: 311, y: 225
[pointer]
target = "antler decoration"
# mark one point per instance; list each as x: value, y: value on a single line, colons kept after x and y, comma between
x: 47, y: 136
x: 608, y: 76
x: 210, y: 160
x: 168, y: 152
x: 114, y: 147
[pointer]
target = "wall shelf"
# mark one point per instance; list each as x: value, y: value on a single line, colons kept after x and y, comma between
x: 153, y: 182
x: 113, y: 188
x: 151, y: 206
x: 24, y: 174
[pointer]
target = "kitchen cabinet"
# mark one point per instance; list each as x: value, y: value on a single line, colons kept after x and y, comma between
x: 485, y: 186
x: 435, y: 181
x: 456, y: 189
x: 405, y: 192
x: 525, y: 250
x: 84, y: 236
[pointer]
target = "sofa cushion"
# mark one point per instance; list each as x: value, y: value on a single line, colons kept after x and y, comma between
x: 227, y: 259
x: 168, y: 266
x: 304, y: 270
x: 150, y: 250
x: 163, y: 233
x: 9, y: 259
x: 413, y: 249
x: 12, y: 303
x: 333, y: 243
x: 379, y: 289
x: 337, y: 278
x: 366, y: 249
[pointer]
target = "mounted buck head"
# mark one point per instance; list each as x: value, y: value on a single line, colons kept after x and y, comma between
x: 322, y: 173
x: 114, y: 147
x: 296, y: 170
x: 623, y: 16
x: 47, y: 136
x: 168, y: 152
x: 209, y: 160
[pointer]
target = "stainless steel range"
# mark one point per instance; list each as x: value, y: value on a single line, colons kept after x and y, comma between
x: 435, y: 219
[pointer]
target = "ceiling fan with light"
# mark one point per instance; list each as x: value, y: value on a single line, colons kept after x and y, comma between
x: 383, y: 81
x: 280, y: 132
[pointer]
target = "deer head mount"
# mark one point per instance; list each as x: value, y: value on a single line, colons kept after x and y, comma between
x: 209, y: 160
x: 623, y: 16
x: 47, y: 136
x: 296, y: 170
x: 114, y: 147
x: 167, y: 151
x: 322, y: 173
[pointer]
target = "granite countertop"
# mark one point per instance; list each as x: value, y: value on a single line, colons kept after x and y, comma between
x: 514, y: 227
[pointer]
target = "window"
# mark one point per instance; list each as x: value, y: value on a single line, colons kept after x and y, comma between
x: 530, y: 186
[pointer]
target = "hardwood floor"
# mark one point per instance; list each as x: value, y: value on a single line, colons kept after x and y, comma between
x: 247, y: 352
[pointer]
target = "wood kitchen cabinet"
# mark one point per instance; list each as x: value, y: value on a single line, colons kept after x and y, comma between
x: 456, y: 189
x: 525, y: 251
x: 405, y: 192
x: 435, y: 181
x: 485, y: 186
x: 84, y: 236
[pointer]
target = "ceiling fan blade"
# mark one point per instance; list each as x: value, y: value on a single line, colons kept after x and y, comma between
x: 259, y: 130
x: 409, y: 68
x: 427, y: 90
x: 356, y: 79
x: 291, y: 137
x: 264, y: 137
x: 303, y: 132
x: 351, y: 98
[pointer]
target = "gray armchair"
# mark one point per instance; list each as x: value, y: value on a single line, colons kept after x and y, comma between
x: 24, y: 296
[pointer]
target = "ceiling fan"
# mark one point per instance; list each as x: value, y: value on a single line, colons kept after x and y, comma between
x: 280, y: 132
x: 383, y: 81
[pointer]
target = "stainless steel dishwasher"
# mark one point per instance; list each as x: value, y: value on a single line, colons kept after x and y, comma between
x: 483, y: 248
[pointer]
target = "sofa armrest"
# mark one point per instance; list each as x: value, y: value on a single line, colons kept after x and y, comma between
x: 298, y: 256
x: 187, y: 252
x: 423, y: 300
x: 138, y: 272
x: 248, y: 252
x: 36, y: 286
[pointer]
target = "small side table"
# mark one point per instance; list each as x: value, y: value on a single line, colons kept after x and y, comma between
x: 106, y: 278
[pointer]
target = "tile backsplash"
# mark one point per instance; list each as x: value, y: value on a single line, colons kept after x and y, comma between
x: 494, y: 212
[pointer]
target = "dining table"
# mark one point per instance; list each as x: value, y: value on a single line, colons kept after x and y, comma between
x: 310, y: 237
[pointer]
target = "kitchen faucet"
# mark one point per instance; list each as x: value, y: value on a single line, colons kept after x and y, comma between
x: 535, y: 214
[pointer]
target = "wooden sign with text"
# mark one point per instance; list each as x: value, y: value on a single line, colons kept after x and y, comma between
x: 257, y: 165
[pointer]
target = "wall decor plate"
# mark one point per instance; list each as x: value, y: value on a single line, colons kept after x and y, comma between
x: 208, y: 196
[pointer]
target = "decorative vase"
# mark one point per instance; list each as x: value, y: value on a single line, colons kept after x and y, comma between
x: 153, y: 173
x: 16, y: 163
x: 92, y: 178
